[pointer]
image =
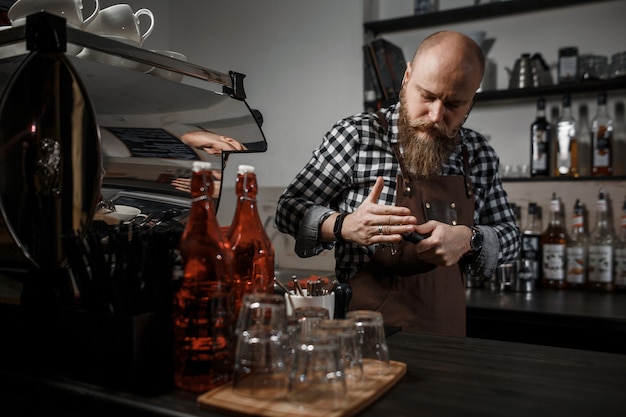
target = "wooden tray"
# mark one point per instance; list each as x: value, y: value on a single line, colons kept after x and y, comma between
x: 223, y: 399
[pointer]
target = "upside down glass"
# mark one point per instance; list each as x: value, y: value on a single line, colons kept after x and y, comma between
x: 374, y: 348
x: 261, y: 364
x: 317, y: 379
x: 349, y: 349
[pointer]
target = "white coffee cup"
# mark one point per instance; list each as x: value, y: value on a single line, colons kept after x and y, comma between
x: 70, y: 10
x: 120, y: 21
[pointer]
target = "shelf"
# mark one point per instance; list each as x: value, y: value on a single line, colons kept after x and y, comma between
x: 564, y: 179
x: 558, y: 89
x: 529, y: 93
x: 465, y: 14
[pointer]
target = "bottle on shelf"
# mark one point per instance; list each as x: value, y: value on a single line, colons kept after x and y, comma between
x: 554, y: 121
x: 567, y: 141
x: 602, y: 140
x: 553, y: 243
x: 204, y: 303
x: 584, y: 141
x: 530, y: 255
x: 619, y: 139
x: 576, y: 250
x: 600, y: 256
x: 252, y: 248
x: 620, y: 253
x: 541, y: 142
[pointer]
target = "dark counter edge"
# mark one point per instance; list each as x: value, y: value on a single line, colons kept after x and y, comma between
x: 559, y: 318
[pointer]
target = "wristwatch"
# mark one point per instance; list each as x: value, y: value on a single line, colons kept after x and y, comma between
x: 476, y: 241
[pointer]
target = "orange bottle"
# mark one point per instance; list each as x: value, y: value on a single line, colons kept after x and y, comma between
x: 252, y: 248
x: 204, y: 313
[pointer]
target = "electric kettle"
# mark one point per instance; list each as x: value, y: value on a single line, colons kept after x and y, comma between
x: 529, y: 71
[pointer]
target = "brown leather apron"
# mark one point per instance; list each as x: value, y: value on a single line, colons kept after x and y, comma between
x: 410, y: 293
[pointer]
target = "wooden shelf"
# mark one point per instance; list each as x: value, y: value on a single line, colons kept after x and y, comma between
x: 564, y: 179
x: 557, y: 89
x: 465, y: 14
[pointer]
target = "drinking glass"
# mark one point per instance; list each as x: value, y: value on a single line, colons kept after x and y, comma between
x: 349, y: 349
x: 261, y: 364
x: 317, y: 380
x: 310, y: 317
x: 374, y: 348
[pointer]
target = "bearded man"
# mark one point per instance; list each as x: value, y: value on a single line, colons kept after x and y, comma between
x: 412, y: 167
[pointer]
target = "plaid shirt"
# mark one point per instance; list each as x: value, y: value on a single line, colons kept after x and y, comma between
x: 343, y: 169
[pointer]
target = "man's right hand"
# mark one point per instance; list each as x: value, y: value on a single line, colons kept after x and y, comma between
x: 373, y: 223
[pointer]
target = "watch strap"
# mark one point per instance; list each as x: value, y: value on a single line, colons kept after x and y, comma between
x: 338, y: 225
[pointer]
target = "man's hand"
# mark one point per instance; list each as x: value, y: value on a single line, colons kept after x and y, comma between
x: 375, y: 223
x: 446, y: 243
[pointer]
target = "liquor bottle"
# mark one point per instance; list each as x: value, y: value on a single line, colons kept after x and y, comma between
x: 530, y: 255
x: 601, y: 249
x: 254, y: 254
x: 567, y: 142
x: 620, y: 253
x: 540, y: 142
x: 204, y: 303
x: 553, y: 243
x: 619, y: 139
x: 554, y: 147
x: 576, y: 251
x: 601, y: 140
x: 584, y: 141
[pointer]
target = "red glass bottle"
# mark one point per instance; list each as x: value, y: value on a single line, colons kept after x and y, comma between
x: 204, y: 304
x: 253, y: 250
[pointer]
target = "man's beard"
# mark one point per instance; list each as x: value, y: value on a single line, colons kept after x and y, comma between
x: 427, y: 145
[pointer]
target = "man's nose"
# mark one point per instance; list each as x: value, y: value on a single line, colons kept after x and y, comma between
x: 435, y: 111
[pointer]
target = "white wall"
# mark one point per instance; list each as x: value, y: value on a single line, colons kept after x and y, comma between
x: 302, y: 63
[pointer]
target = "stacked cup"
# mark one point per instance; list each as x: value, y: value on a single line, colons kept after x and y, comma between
x: 314, y: 365
x: 260, y: 368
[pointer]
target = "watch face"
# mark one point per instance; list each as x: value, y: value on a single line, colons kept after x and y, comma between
x: 477, y: 239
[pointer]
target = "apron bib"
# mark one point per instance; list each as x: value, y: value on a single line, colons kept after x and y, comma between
x: 410, y: 293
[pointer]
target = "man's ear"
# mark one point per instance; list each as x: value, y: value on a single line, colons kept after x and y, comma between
x: 407, y: 73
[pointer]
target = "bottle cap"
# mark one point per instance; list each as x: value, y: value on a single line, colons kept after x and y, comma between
x: 198, y: 166
x: 578, y: 208
x: 242, y: 169
x: 555, y: 204
x: 567, y: 100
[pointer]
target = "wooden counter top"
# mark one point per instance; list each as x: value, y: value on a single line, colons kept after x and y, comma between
x: 446, y: 376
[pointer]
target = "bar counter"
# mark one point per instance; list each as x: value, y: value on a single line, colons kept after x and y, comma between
x: 564, y: 318
x: 446, y: 376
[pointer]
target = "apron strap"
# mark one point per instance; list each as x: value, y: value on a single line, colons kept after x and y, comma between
x: 469, y: 189
x: 396, y: 150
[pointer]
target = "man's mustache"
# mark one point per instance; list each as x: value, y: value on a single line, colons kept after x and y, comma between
x: 432, y: 128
